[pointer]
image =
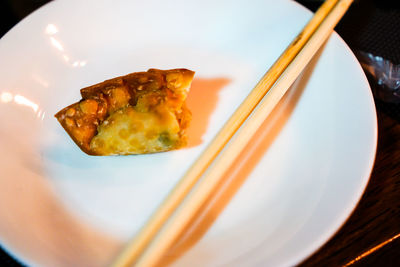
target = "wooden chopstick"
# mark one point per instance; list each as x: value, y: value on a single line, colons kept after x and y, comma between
x: 151, y: 243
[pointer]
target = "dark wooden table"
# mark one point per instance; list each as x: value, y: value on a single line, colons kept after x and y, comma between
x: 371, y: 236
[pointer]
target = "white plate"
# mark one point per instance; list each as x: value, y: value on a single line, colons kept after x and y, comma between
x: 301, y: 177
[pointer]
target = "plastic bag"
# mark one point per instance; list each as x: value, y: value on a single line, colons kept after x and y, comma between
x: 384, y: 74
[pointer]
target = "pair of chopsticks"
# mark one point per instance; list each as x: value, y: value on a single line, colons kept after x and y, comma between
x: 174, y: 214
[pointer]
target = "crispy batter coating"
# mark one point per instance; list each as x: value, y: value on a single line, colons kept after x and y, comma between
x: 142, y: 112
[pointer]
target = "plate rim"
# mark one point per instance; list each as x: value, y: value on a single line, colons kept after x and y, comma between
x: 345, y: 215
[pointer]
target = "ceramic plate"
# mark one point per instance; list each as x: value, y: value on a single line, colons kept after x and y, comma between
x: 291, y: 189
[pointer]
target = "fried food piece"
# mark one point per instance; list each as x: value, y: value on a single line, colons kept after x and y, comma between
x: 142, y: 112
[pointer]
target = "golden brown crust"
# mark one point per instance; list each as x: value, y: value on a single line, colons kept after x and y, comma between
x: 159, y: 93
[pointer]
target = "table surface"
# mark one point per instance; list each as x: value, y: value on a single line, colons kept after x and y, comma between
x: 371, y: 236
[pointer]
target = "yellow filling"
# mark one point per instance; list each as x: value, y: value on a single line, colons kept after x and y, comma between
x: 128, y: 131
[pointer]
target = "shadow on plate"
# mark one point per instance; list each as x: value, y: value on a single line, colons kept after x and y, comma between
x: 36, y: 226
x: 202, y: 101
x: 241, y: 168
